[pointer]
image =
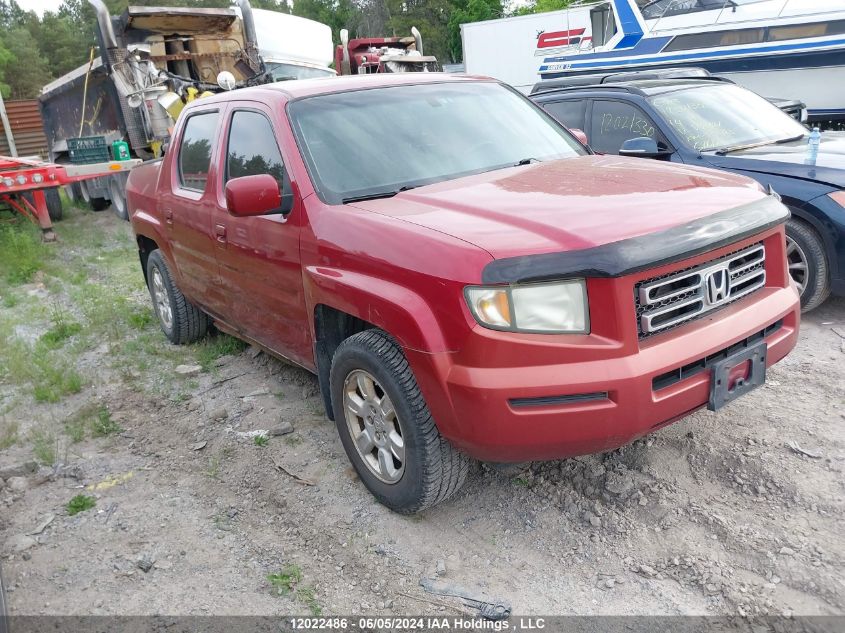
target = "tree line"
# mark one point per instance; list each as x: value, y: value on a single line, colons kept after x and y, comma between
x: 34, y: 49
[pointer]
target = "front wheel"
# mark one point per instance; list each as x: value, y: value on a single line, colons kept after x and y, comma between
x: 386, y: 428
x: 180, y: 320
x: 807, y: 264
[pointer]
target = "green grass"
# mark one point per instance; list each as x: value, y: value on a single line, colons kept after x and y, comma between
x: 49, y: 374
x: 212, y: 348
x: 10, y: 299
x: 56, y: 336
x: 306, y: 596
x: 260, y: 440
x: 43, y: 446
x: 53, y: 378
x: 75, y: 430
x: 288, y: 581
x: 80, y: 503
x: 21, y: 252
x: 102, y: 425
x: 292, y: 439
x: 9, y: 434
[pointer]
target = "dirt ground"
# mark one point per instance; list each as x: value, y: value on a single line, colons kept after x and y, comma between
x: 739, y: 512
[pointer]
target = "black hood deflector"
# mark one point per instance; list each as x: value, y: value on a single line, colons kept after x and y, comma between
x: 646, y: 251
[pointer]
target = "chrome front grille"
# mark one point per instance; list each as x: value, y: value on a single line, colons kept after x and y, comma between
x: 668, y: 301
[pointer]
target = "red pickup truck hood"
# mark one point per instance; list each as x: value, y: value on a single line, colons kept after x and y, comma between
x: 567, y: 204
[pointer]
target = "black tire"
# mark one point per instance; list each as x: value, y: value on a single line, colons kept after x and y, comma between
x: 117, y: 192
x: 433, y: 470
x: 96, y: 204
x: 74, y: 193
x: 53, y: 200
x: 187, y: 322
x: 808, y: 245
x: 54, y: 203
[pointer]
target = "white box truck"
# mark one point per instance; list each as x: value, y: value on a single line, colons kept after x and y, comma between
x: 512, y: 49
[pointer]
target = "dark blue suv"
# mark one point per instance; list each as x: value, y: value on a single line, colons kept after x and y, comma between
x: 708, y: 122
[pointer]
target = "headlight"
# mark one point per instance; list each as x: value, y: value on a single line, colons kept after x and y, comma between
x: 548, y: 308
x: 838, y: 197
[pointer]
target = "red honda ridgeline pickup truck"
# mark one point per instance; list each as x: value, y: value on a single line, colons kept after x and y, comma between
x: 464, y: 278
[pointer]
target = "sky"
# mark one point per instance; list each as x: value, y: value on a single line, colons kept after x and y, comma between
x: 39, y: 6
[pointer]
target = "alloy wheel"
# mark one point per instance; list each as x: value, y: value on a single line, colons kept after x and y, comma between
x: 374, y: 426
x: 797, y: 264
x: 161, y: 300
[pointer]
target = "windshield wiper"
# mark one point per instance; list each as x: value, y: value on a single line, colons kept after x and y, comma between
x: 377, y: 195
x: 736, y: 148
x: 790, y: 139
x: 527, y: 161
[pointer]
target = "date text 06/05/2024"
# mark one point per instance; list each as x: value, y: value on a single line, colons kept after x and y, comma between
x: 423, y: 623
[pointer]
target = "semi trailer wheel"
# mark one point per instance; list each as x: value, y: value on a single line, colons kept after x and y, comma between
x: 54, y: 203
x: 180, y: 320
x: 96, y: 204
x: 386, y: 427
x: 117, y: 193
x: 53, y: 200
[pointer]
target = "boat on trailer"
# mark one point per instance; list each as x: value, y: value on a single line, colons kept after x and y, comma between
x: 788, y: 48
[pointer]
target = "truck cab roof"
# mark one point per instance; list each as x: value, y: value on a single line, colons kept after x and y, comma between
x: 301, y: 88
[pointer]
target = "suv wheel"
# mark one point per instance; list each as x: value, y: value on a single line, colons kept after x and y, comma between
x: 386, y: 428
x: 807, y: 264
x: 180, y: 320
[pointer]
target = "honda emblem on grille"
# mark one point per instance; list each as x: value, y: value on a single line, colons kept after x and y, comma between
x: 717, y: 286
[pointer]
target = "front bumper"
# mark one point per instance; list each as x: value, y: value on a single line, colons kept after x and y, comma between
x: 505, y: 400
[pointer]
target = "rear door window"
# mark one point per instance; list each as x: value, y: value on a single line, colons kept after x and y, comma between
x: 614, y: 122
x: 569, y: 112
x: 195, y: 150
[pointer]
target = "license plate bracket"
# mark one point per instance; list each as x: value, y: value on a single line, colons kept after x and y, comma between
x: 723, y: 389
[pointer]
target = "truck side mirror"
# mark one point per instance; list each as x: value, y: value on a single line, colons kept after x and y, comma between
x: 253, y: 195
x: 579, y: 134
x: 641, y: 146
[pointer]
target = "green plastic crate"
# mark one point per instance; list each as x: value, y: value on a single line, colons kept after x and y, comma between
x: 88, y: 149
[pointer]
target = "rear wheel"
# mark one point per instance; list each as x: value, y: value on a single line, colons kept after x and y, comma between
x: 807, y: 264
x: 180, y: 320
x: 386, y: 427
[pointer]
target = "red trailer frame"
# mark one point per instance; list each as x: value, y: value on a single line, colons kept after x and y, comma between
x: 32, y: 175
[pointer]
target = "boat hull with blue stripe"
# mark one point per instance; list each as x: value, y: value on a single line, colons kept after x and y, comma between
x: 780, y: 48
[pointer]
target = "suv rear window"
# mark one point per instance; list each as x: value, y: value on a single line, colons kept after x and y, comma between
x: 195, y: 150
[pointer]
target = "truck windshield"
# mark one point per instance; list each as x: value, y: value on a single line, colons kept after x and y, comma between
x: 366, y: 143
x: 723, y: 116
x: 283, y: 72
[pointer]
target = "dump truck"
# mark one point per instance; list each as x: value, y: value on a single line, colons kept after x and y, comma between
x: 123, y: 102
x: 365, y: 55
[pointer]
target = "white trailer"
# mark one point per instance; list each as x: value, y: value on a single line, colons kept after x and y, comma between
x: 512, y: 49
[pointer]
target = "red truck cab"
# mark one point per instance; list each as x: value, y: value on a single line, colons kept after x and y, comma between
x: 464, y: 278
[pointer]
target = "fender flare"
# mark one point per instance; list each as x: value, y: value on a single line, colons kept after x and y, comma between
x: 402, y: 313
x: 397, y: 310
